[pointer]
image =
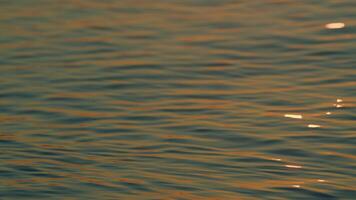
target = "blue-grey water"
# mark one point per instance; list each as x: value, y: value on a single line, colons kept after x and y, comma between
x: 177, y: 99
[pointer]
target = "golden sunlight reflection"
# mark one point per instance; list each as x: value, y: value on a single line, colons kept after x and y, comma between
x: 338, y: 105
x: 336, y: 25
x: 328, y: 113
x: 293, y: 166
x: 314, y: 126
x: 294, y: 116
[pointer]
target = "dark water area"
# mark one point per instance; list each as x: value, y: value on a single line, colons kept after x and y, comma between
x: 178, y: 99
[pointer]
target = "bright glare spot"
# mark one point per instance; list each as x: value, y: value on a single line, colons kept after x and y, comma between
x: 277, y: 159
x: 296, y: 186
x: 314, y: 126
x: 336, y: 25
x: 294, y: 166
x: 339, y: 100
x: 321, y: 180
x: 328, y: 113
x: 338, y: 105
x: 294, y: 116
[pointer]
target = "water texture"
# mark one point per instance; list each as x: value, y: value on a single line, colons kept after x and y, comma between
x: 177, y: 99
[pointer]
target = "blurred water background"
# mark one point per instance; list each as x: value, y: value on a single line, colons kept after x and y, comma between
x: 177, y: 99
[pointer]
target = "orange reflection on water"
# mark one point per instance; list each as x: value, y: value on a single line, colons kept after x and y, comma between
x: 293, y: 166
x: 294, y: 116
x: 314, y: 126
x: 335, y: 25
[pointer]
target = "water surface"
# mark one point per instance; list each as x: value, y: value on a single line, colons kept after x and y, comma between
x: 188, y: 99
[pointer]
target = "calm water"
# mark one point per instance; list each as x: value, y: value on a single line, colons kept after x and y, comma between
x: 180, y: 99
